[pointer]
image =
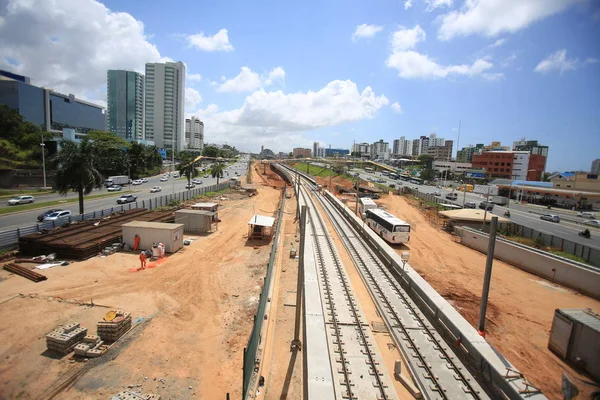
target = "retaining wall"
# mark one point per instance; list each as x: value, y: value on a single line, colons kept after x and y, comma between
x: 577, y: 276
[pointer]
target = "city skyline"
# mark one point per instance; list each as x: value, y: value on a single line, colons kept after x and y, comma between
x: 359, y: 74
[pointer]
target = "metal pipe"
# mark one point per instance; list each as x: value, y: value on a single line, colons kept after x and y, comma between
x: 487, y: 277
x: 299, y: 286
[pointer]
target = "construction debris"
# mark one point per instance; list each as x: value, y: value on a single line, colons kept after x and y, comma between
x: 128, y: 395
x: 64, y: 338
x: 114, y: 325
x: 91, y: 347
x: 25, y: 273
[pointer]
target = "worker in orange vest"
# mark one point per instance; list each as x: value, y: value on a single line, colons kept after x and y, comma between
x: 143, y: 259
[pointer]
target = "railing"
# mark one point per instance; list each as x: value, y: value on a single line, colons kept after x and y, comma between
x: 10, y: 238
x: 251, y: 350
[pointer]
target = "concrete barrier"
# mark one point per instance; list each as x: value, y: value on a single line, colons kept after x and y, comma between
x: 580, y: 277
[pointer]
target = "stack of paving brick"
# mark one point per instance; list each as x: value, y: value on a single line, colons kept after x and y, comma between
x: 91, y: 346
x: 127, y: 395
x: 64, y: 338
x: 111, y: 331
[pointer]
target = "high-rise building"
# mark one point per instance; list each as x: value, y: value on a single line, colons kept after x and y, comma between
x: 396, y: 147
x: 380, y: 150
x: 595, y: 167
x: 465, y: 155
x: 416, y: 146
x: 301, y: 152
x: 194, y: 134
x: 361, y: 149
x: 423, y: 145
x: 434, y: 141
x: 441, y: 153
x: 318, y: 151
x: 164, y: 104
x: 125, y: 104
x: 495, y: 146
x: 531, y: 146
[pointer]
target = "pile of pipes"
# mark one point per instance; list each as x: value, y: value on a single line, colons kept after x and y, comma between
x: 64, y: 338
x: 127, y: 395
x: 91, y: 347
x: 114, y: 325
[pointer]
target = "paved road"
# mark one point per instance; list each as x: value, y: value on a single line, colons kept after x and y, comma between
x: 526, y: 215
x: 28, y: 218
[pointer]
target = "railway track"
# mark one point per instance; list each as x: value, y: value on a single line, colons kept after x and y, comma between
x: 357, y: 369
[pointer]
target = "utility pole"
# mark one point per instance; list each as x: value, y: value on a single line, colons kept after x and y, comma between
x: 173, y: 162
x: 487, y: 277
x: 296, y: 343
x: 43, y: 159
x: 357, y: 186
x: 486, y: 207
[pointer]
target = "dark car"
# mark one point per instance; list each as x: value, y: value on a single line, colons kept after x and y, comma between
x: 486, y: 205
x: 46, y: 213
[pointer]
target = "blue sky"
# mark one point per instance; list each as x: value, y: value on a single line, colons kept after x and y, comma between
x: 338, y: 71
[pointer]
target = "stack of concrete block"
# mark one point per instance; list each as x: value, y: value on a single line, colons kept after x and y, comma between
x: 64, y: 338
x: 127, y: 395
x: 111, y: 331
x: 91, y: 347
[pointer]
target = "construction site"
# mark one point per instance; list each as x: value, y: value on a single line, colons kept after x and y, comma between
x: 274, y: 289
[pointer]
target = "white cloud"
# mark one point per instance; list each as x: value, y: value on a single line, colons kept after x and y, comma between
x: 366, y: 31
x: 193, y: 77
x: 192, y: 98
x: 591, y: 60
x: 493, y: 76
x: 498, y: 43
x: 396, y: 107
x: 556, y: 61
x: 70, y: 44
x: 404, y: 38
x: 407, y: 4
x: 508, y: 60
x: 411, y: 64
x: 433, y: 4
x: 493, y: 17
x: 218, y: 42
x: 248, y: 80
x: 279, y: 117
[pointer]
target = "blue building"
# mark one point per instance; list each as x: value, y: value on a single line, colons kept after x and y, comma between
x: 49, y: 110
x: 336, y: 152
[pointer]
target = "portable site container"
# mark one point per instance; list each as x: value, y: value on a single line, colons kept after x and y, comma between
x: 171, y: 235
x: 206, y: 206
x: 195, y: 221
x: 575, y: 336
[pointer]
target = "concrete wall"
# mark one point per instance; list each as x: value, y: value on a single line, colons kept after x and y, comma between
x: 576, y: 276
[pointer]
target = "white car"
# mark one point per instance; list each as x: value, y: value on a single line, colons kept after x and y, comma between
x: 57, y: 215
x: 197, y: 181
x: 593, y: 222
x: 164, y: 179
x: 114, y: 188
x: 550, y: 217
x: 155, y: 189
x: 586, y: 214
x: 137, y: 182
x: 21, y: 200
x: 144, y: 180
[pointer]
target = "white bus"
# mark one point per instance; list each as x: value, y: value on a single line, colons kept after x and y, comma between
x: 364, y: 204
x: 390, y: 228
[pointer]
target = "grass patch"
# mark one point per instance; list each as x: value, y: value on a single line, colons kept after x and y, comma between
x: 46, y: 204
x: 538, y: 245
x: 569, y: 256
x: 8, y: 194
x: 315, y: 170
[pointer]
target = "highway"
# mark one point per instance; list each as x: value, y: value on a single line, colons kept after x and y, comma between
x: 526, y: 215
x: 28, y: 218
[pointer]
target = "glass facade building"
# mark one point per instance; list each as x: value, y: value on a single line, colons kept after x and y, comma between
x: 125, y: 109
x: 49, y: 110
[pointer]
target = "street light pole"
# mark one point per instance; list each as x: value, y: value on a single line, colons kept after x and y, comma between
x: 43, y: 160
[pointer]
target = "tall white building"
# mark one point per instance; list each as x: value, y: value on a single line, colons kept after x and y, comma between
x: 194, y: 133
x: 318, y: 151
x: 164, y: 105
x: 434, y: 141
x: 380, y: 150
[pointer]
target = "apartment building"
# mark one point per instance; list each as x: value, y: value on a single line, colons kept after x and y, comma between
x: 515, y: 165
x: 194, y: 134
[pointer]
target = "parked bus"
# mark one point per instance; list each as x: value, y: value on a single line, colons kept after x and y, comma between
x: 390, y: 228
x: 364, y: 204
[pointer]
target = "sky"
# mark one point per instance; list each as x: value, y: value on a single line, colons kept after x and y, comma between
x: 285, y: 74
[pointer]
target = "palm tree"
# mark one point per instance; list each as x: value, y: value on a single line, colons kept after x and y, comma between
x: 217, y: 170
x: 76, y: 169
x: 187, y: 166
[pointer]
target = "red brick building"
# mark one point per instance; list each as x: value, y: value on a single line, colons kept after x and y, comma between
x: 516, y: 165
x: 301, y: 152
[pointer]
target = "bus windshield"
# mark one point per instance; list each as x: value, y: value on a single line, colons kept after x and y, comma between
x: 402, y: 228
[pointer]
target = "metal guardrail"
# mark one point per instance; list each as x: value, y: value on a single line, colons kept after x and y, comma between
x: 10, y: 238
x: 251, y: 350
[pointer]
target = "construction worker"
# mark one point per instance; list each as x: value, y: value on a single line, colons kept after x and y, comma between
x: 143, y: 260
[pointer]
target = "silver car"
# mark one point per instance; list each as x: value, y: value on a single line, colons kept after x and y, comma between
x: 550, y: 217
x: 21, y: 200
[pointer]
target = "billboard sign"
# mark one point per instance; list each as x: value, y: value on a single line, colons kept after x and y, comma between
x: 475, y: 175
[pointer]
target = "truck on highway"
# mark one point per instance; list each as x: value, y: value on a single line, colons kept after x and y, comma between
x: 499, y: 200
x: 116, y: 180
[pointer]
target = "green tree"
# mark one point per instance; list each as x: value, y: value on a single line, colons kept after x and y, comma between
x: 338, y: 168
x: 210, y: 151
x: 112, y: 151
x: 427, y: 174
x: 426, y: 160
x: 76, y: 169
x: 187, y: 166
x: 20, y: 140
x: 216, y: 171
